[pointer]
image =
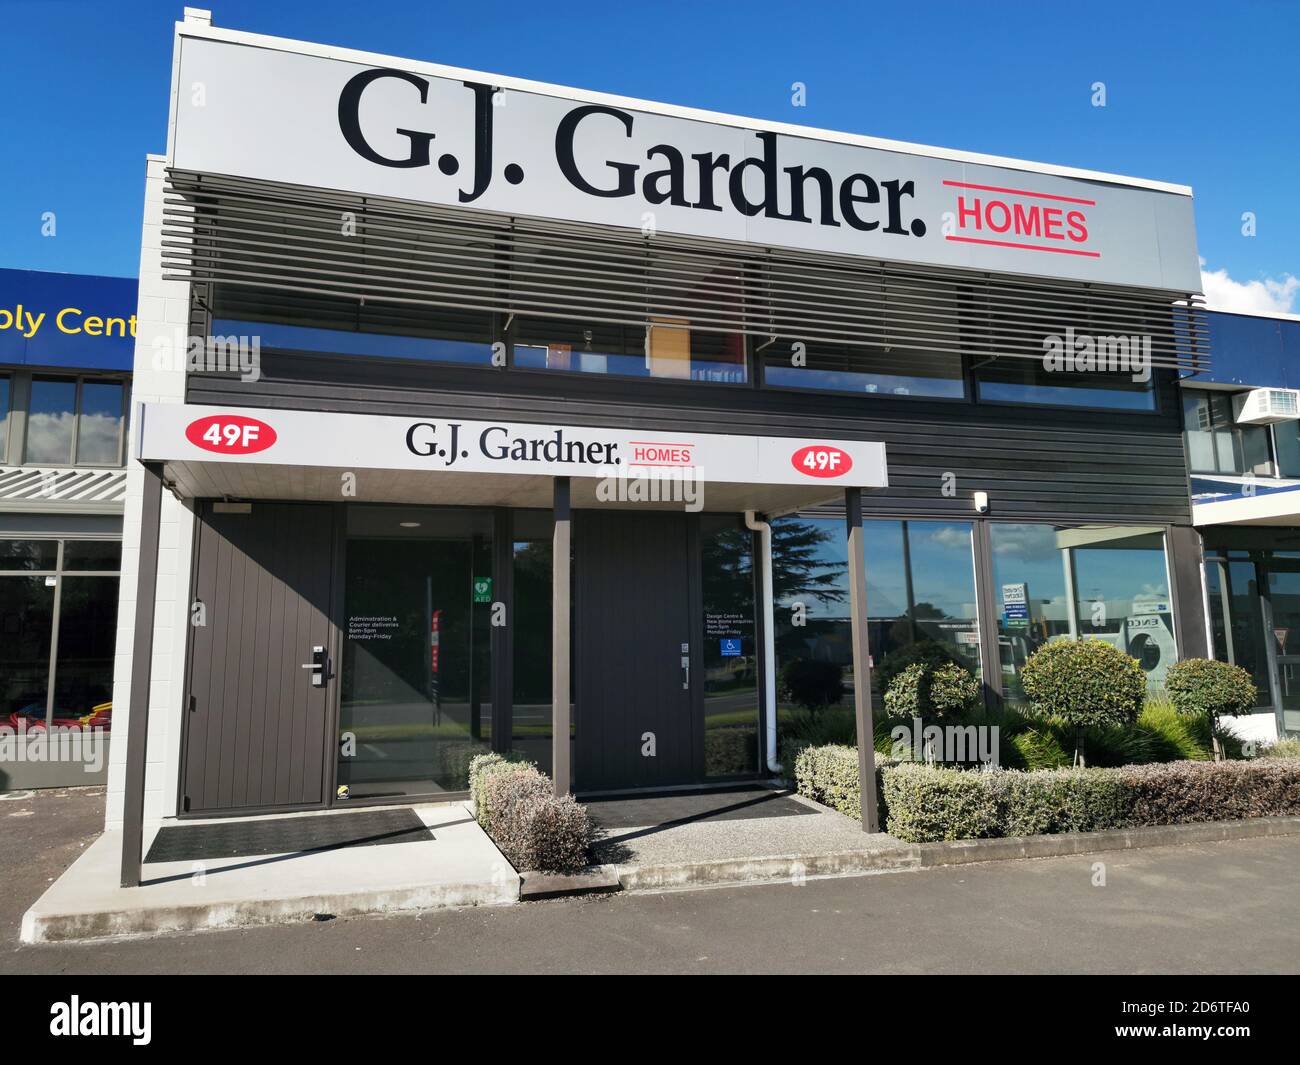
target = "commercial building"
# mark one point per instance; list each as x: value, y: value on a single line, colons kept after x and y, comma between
x: 503, y: 391
x: 1242, y: 423
x: 66, y: 346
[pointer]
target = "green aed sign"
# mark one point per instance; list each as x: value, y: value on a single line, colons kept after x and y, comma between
x: 482, y: 589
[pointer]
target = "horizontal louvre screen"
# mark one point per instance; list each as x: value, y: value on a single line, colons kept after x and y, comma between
x: 312, y: 242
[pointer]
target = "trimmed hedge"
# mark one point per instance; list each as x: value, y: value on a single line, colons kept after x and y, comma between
x: 924, y: 804
x: 516, y: 805
x: 829, y: 775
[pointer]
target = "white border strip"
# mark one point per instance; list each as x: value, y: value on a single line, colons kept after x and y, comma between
x: 437, y: 70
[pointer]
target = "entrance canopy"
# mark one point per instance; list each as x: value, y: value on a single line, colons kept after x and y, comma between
x: 245, y: 453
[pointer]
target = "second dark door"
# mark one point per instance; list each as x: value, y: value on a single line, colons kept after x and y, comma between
x: 636, y: 598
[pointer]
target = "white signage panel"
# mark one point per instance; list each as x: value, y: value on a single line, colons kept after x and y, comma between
x: 276, y: 114
x: 186, y: 432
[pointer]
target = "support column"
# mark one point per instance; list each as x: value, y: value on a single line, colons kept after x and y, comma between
x: 137, y: 729
x: 560, y: 627
x: 861, y: 660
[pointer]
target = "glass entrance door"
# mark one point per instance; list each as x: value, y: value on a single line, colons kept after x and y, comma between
x: 415, y: 704
x: 1282, y: 579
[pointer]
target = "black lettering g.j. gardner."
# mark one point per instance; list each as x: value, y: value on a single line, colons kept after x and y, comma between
x: 813, y: 194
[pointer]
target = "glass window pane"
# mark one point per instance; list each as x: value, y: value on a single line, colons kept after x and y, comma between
x: 810, y: 584
x: 867, y: 369
x: 99, y: 434
x: 669, y: 348
x: 92, y: 554
x: 1198, y: 427
x: 26, y: 618
x: 416, y: 663
x: 1122, y: 589
x: 1028, y: 381
x: 28, y: 554
x: 51, y: 418
x: 1287, y: 436
x: 1030, y: 587
x: 730, y: 656
x: 1102, y: 582
x: 531, y: 730
x: 83, y: 674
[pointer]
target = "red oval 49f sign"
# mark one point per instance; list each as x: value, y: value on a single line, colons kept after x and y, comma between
x: 822, y: 460
x: 230, y: 434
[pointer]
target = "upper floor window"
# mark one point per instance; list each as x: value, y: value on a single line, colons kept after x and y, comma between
x: 75, y: 421
x: 331, y: 325
x: 1016, y: 380
x: 873, y: 370
x: 666, y: 348
x: 1216, y: 443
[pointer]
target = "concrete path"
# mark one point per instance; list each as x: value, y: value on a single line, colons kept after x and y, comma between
x: 1211, y: 908
x: 458, y: 867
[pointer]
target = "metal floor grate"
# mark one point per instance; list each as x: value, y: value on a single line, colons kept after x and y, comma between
x: 286, y: 835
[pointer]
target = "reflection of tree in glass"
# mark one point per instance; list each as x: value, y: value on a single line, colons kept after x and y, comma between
x: 728, y: 568
x: 797, y: 567
x: 532, y: 672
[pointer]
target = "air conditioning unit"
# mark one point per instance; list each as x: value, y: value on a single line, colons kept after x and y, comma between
x: 1265, y: 406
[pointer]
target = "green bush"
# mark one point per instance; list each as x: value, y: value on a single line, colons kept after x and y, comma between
x: 922, y: 804
x: 1058, y: 800
x: 730, y: 750
x: 811, y: 684
x: 517, y: 807
x: 1181, y: 792
x: 1084, y: 683
x: 928, y: 804
x: 829, y: 775
x: 925, y: 651
x: 1215, y: 689
x: 926, y: 691
x: 482, y: 766
x: 925, y: 803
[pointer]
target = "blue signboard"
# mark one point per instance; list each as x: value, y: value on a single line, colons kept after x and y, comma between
x: 730, y: 648
x: 73, y: 321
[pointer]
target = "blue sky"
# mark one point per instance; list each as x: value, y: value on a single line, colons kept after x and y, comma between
x: 1197, y: 93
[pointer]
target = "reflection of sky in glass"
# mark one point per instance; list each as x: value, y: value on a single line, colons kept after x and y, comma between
x: 942, y: 567
x: 882, y: 384
x: 1029, y: 554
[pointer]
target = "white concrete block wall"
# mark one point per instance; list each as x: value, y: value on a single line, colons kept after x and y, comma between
x: 163, y: 309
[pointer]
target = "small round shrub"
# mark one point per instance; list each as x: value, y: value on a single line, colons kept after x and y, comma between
x: 927, y: 652
x: 1085, y: 683
x: 920, y: 690
x: 812, y: 684
x: 1203, y: 686
x: 904, y: 695
x: 953, y: 690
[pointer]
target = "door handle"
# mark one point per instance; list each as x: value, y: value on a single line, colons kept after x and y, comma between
x: 317, y: 666
x: 686, y: 667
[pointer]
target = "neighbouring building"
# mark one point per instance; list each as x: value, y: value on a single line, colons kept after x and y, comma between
x: 449, y: 332
x: 66, y: 346
x: 1242, y: 424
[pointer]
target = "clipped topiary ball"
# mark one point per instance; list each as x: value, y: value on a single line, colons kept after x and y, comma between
x: 1085, y: 683
x: 1204, y: 686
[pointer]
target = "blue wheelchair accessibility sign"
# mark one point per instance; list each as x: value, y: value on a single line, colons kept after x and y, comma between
x: 730, y: 648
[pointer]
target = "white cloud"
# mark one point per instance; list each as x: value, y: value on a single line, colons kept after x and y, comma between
x: 1266, y: 296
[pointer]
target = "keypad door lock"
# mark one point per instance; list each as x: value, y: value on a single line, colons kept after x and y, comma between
x: 317, y: 666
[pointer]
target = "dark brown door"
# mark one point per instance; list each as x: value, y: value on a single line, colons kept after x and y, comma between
x: 257, y: 724
x: 636, y: 603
